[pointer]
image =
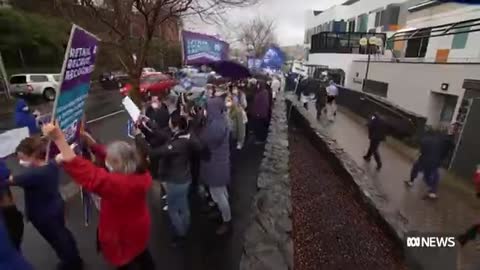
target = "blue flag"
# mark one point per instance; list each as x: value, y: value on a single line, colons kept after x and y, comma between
x: 273, y: 58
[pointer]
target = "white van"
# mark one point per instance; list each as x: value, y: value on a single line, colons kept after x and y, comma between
x: 45, y: 85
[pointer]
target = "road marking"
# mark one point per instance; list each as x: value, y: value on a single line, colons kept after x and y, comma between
x: 105, y: 116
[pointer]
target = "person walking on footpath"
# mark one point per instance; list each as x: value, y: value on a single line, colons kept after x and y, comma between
x: 44, y: 206
x: 215, y: 166
x: 434, y: 149
x: 276, y: 84
x: 377, y: 132
x: 260, y: 111
x: 124, y: 223
x: 177, y: 153
x: 332, y: 93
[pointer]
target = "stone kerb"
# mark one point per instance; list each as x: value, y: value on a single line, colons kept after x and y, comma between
x: 267, y: 242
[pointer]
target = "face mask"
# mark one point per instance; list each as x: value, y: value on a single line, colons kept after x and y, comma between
x: 235, y: 91
x: 24, y: 163
x: 25, y: 109
x: 229, y: 104
x: 155, y: 105
x: 109, y: 167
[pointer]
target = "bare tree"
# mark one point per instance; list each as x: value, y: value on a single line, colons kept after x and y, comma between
x: 117, y: 21
x: 258, y: 34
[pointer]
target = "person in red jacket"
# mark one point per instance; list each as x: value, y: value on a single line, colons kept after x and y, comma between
x: 124, y: 225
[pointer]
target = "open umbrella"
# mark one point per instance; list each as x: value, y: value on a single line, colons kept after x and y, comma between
x: 230, y: 69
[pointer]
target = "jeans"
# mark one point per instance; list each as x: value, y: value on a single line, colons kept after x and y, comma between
x: 178, y: 208
x: 144, y: 261
x: 373, y: 150
x: 220, y: 197
x: 55, y: 232
x: 431, y: 175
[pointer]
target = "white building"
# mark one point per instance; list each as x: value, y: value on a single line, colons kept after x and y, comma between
x: 432, y: 54
x: 353, y: 16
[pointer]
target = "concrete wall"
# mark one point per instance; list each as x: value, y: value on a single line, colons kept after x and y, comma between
x: 410, y: 84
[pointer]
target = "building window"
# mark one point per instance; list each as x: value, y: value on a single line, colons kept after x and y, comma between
x: 418, y: 44
x: 351, y: 25
x: 460, y: 40
x: 378, y: 16
x: 362, y: 23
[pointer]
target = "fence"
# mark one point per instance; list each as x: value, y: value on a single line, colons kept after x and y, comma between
x: 405, y: 125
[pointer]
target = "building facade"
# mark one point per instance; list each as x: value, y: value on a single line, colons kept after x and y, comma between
x: 431, y: 51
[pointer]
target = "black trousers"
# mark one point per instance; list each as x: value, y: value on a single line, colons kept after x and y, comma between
x: 373, y: 151
x: 260, y: 126
x: 14, y: 224
x: 144, y: 261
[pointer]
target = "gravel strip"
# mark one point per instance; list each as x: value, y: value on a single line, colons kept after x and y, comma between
x: 332, y: 230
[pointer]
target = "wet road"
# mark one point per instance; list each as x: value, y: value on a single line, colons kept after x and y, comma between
x: 100, y: 102
x: 452, y: 213
x: 204, y: 251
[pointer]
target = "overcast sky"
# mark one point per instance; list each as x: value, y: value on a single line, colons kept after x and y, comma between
x: 289, y: 16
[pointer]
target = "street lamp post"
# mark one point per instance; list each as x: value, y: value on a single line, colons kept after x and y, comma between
x: 368, y: 43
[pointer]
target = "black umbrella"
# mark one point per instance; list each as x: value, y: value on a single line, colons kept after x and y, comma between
x: 230, y: 69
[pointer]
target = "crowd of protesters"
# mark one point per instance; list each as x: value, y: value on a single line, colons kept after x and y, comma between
x: 189, y: 148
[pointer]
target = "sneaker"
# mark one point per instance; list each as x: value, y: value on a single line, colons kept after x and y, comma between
x: 366, y: 158
x: 409, y: 183
x: 430, y: 196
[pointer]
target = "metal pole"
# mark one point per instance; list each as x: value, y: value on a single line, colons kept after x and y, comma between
x: 368, y: 68
x: 3, y: 74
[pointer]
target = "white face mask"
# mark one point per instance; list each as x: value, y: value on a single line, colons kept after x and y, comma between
x: 108, y: 166
x: 155, y: 105
x: 235, y: 91
x: 25, y: 109
x: 229, y: 104
x: 24, y: 163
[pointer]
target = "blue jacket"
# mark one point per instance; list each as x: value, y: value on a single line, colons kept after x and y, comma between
x: 23, y: 117
x: 10, y: 259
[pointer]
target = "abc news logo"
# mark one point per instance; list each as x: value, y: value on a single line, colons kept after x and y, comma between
x: 431, y: 242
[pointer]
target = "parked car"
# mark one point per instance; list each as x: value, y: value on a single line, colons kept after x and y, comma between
x: 113, y: 80
x: 45, y: 85
x: 148, y: 71
x: 153, y: 84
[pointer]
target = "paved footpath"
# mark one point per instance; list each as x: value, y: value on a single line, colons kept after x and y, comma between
x: 454, y: 210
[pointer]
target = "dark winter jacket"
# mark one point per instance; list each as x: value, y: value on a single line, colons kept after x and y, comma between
x: 176, y: 155
x: 377, y: 128
x: 215, y: 136
x: 434, y: 148
x: 260, y: 108
x: 160, y: 115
